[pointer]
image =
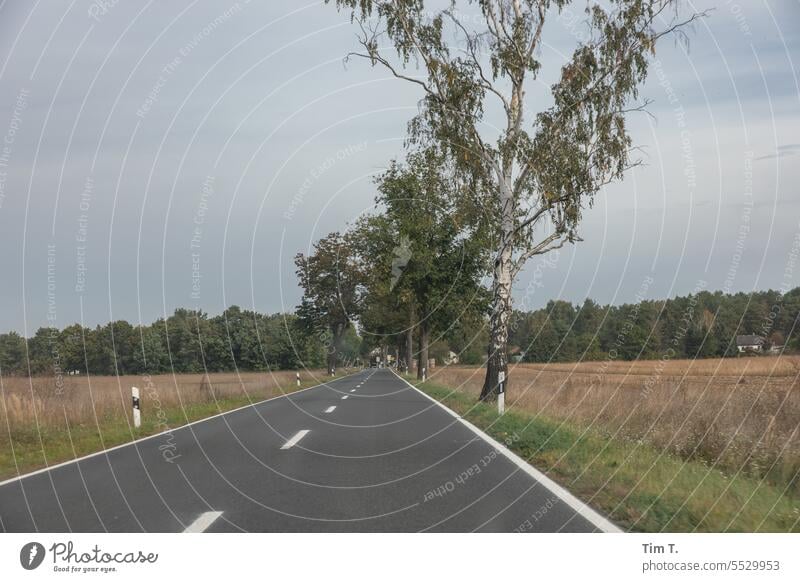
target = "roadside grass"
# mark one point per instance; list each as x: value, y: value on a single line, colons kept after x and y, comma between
x: 733, y: 413
x: 639, y: 487
x: 28, y: 448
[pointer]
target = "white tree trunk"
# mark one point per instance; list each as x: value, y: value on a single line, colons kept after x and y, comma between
x: 502, y: 281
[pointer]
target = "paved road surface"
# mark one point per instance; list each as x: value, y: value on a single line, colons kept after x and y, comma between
x: 362, y: 453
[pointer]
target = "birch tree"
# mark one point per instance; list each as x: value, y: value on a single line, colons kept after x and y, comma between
x: 536, y: 175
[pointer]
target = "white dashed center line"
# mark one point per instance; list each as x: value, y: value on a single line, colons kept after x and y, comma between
x: 353, y: 390
x: 295, y: 439
x: 345, y: 397
x: 330, y: 409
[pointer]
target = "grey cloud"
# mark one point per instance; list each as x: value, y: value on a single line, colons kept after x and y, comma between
x: 295, y: 105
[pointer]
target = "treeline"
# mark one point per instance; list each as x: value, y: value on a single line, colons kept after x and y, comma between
x: 187, y: 341
x: 703, y: 325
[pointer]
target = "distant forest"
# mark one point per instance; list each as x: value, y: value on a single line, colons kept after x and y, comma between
x: 188, y: 341
x: 701, y: 325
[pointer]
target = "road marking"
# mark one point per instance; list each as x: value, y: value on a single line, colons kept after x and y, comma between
x: 167, y: 431
x: 345, y: 397
x: 295, y: 439
x: 353, y: 390
x: 201, y: 524
x: 592, y: 516
x: 330, y: 409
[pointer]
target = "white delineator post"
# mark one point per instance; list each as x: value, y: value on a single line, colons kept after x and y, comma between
x: 501, y: 392
x: 298, y: 379
x: 137, y: 413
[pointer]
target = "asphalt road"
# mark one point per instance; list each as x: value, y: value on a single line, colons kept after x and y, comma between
x: 378, y: 455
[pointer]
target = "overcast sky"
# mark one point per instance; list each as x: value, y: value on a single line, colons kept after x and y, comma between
x: 144, y: 144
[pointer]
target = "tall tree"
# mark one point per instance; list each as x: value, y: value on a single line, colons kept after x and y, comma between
x: 532, y: 181
x: 12, y: 353
x: 385, y: 307
x: 443, y: 256
x: 332, y: 281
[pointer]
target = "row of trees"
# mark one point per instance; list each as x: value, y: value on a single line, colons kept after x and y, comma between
x: 696, y: 326
x: 481, y: 195
x: 187, y: 341
x: 409, y: 274
x: 410, y: 277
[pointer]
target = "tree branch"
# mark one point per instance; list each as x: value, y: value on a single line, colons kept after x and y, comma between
x: 471, y: 44
x: 545, y: 246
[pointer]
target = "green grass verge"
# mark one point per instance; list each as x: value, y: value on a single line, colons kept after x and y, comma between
x: 637, y: 486
x: 30, y: 449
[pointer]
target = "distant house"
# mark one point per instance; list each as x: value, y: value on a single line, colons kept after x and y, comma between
x: 749, y: 343
x: 516, y: 354
x: 450, y: 359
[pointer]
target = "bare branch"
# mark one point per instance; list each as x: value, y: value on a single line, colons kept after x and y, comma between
x: 471, y: 45
x: 550, y: 243
x: 375, y: 58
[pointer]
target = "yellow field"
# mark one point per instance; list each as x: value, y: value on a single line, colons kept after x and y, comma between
x: 27, y: 403
x: 740, y: 414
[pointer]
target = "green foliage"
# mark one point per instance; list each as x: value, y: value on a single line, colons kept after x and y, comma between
x: 423, y: 257
x: 445, y: 258
x: 537, y: 169
x: 333, y: 291
x: 528, y: 179
x: 187, y: 341
x: 12, y: 352
x: 468, y: 337
x: 332, y: 284
x: 704, y: 325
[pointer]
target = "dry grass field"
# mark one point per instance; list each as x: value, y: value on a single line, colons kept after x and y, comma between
x: 739, y: 415
x: 28, y: 402
x: 43, y: 422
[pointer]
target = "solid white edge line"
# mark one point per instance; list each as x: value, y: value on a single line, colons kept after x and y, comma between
x: 201, y: 524
x: 330, y: 409
x: 592, y: 516
x: 295, y: 439
x: 162, y: 433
